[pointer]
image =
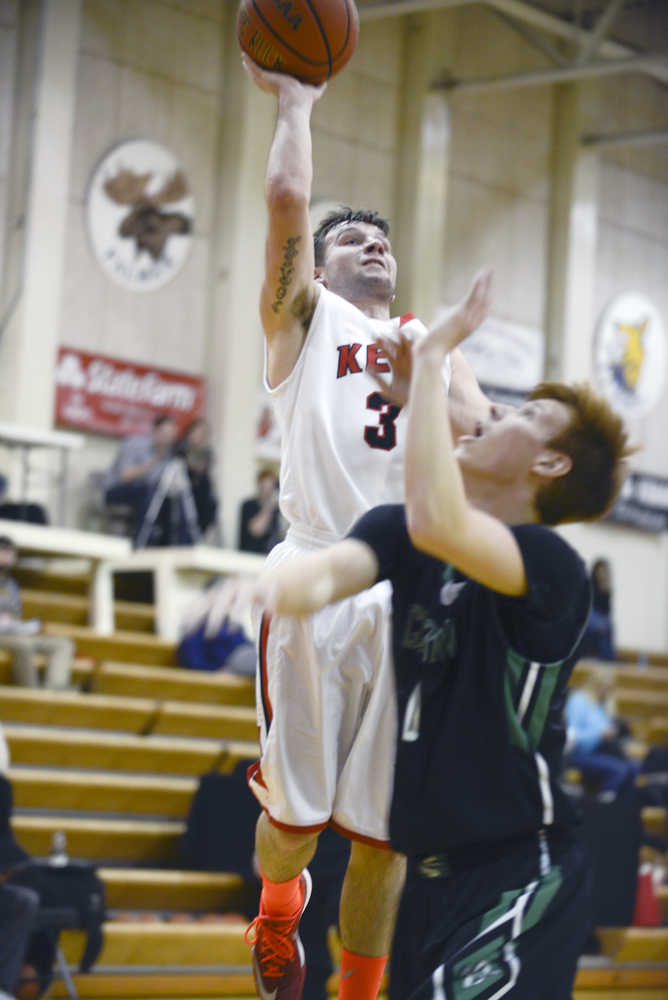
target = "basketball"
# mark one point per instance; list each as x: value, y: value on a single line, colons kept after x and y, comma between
x: 309, y: 39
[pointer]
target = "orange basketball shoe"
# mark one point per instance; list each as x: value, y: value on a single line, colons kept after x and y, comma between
x: 279, y: 966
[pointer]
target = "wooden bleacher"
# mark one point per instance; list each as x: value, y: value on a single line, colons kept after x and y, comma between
x: 95, y: 791
x: 73, y: 609
x: 134, y: 841
x: 62, y: 747
x: 134, y: 715
x: 175, y: 683
x: 114, y: 765
x: 128, y: 647
x: 186, y: 891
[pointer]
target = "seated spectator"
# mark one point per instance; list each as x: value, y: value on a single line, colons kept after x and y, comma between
x: 595, y: 737
x: 23, y: 639
x: 197, y: 453
x: 260, y: 522
x: 211, y: 642
x: 598, y: 639
x: 148, y: 477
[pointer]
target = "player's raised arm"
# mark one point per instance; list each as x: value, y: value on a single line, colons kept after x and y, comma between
x: 289, y: 292
x: 440, y: 519
x: 467, y: 403
x: 297, y: 587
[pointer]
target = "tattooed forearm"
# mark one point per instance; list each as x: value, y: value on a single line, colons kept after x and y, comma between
x: 290, y: 251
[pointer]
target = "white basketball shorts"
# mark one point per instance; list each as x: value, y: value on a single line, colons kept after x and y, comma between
x: 327, y: 715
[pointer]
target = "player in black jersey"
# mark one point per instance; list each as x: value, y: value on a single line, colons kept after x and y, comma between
x: 488, y: 603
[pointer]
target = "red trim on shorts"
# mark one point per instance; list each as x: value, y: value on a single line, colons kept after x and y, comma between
x: 406, y: 318
x: 383, y: 845
x: 264, y: 681
x: 254, y: 773
x: 318, y: 828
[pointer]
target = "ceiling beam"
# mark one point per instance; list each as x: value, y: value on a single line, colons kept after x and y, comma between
x: 521, y: 10
x: 535, y: 38
x: 601, y: 29
x: 656, y: 137
x: 376, y: 9
x: 539, y: 77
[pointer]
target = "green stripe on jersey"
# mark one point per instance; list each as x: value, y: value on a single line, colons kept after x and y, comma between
x: 548, y: 680
x: 512, y: 678
x: 527, y: 736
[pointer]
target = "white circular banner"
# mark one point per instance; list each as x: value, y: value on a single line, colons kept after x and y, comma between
x: 140, y: 215
x: 630, y: 354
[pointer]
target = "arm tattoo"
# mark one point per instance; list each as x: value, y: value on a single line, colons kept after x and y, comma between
x: 290, y: 251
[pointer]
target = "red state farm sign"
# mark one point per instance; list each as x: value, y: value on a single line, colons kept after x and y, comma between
x: 110, y: 396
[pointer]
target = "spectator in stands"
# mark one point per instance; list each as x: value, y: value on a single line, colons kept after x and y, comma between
x: 596, y: 736
x: 210, y: 642
x: 598, y: 639
x: 23, y: 639
x: 260, y: 522
x: 143, y: 471
x: 197, y: 453
x: 18, y: 905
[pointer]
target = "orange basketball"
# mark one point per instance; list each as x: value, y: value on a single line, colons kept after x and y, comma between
x: 309, y: 39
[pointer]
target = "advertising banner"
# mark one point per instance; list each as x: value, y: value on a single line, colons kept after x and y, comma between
x: 110, y: 396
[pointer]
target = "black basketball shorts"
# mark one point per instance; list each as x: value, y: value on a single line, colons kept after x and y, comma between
x: 511, y: 925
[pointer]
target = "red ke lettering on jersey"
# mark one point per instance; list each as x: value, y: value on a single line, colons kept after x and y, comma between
x: 349, y: 365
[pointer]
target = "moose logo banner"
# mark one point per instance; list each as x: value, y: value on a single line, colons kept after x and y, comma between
x: 140, y: 215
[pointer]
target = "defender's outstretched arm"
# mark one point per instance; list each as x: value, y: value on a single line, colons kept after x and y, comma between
x: 440, y: 519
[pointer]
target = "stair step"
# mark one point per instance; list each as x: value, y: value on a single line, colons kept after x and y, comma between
x: 165, y: 944
x: 159, y: 889
x: 136, y: 841
x: 92, y: 791
x: 125, y: 647
x: 58, y: 747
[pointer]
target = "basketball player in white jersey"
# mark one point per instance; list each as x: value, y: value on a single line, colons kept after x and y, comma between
x: 325, y: 698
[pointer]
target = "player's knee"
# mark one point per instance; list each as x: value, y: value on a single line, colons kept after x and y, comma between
x: 284, y: 841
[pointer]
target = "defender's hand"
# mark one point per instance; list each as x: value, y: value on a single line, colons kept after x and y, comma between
x: 399, y: 354
x: 458, y: 323
x: 232, y: 599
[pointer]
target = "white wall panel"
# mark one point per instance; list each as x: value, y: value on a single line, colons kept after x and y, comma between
x: 96, y: 120
x: 171, y: 43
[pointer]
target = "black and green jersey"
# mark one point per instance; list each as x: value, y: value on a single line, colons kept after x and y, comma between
x: 480, y: 688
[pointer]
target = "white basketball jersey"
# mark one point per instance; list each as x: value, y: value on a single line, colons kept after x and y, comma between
x: 342, y: 443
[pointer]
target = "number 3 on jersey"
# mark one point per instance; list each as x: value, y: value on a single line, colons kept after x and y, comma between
x: 384, y: 433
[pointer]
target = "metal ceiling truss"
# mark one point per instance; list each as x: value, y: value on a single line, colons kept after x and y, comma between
x: 616, y: 58
x: 539, y: 77
x: 535, y: 38
x: 655, y: 137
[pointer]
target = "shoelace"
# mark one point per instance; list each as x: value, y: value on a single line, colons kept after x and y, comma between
x: 275, y: 948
